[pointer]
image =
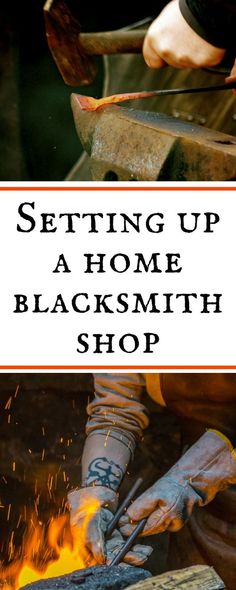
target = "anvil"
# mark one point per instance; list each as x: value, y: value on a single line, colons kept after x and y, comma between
x: 124, y: 144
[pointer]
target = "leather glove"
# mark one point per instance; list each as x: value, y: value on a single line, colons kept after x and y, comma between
x: 91, y: 509
x: 208, y: 467
x: 137, y: 555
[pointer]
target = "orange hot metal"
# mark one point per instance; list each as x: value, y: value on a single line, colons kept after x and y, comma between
x: 88, y: 103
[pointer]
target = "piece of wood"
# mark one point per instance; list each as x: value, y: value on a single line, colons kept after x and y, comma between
x: 197, y: 577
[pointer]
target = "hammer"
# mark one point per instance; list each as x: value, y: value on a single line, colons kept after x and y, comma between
x: 73, y: 50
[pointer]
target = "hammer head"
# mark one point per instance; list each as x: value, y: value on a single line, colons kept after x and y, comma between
x: 62, y: 31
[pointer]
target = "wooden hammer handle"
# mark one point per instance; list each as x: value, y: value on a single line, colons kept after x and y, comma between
x: 73, y: 50
x: 112, y: 42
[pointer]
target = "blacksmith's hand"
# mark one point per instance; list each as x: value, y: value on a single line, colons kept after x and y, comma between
x: 170, y: 40
x: 209, y: 466
x: 91, y: 509
x: 232, y: 77
x: 137, y: 555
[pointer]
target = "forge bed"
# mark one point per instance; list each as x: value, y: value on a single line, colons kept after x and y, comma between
x: 102, y: 577
x: 119, y: 577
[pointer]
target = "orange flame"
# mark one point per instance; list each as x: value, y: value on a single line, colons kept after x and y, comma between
x: 50, y: 551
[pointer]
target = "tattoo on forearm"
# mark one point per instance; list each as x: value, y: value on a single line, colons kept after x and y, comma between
x: 104, y: 472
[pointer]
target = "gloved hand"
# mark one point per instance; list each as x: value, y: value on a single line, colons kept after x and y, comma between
x: 208, y: 467
x: 91, y: 509
x: 170, y: 40
x: 137, y: 555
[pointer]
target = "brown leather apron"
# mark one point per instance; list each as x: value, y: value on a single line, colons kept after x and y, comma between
x: 205, y: 401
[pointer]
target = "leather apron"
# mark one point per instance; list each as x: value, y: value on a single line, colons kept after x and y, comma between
x: 205, y: 401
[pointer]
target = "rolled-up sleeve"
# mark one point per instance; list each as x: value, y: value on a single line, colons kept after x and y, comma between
x: 117, y: 409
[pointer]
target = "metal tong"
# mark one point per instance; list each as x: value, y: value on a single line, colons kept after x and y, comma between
x: 138, y: 529
x: 88, y: 103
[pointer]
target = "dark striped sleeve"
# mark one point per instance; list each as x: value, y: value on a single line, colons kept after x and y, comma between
x: 213, y: 20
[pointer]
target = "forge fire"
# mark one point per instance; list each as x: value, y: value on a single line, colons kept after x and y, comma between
x: 67, y: 441
x: 48, y: 550
x: 42, y: 433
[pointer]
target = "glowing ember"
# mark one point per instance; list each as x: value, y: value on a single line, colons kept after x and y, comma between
x: 50, y: 551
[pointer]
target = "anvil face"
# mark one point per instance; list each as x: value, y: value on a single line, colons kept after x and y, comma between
x: 126, y: 144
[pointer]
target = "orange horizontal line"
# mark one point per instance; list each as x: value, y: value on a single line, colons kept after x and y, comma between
x: 62, y: 367
x: 116, y: 188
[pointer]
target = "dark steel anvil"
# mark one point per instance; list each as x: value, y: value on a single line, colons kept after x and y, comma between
x: 126, y: 144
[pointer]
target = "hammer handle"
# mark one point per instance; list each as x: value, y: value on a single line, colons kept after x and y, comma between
x: 112, y: 42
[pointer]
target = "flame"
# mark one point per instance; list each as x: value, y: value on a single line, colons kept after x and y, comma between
x: 50, y: 551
